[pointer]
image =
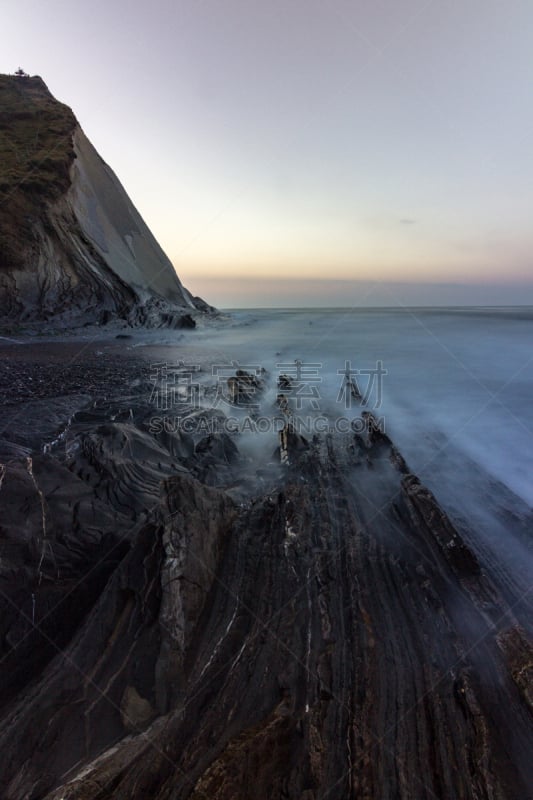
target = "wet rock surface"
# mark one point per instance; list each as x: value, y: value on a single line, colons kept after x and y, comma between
x: 180, y: 620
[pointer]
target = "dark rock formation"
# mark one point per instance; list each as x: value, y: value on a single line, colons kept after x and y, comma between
x: 73, y: 249
x: 329, y: 635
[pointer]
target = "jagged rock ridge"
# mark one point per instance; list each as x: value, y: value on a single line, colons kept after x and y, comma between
x: 73, y: 248
x: 176, y: 627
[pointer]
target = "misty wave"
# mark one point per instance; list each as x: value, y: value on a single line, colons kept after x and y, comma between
x: 456, y: 398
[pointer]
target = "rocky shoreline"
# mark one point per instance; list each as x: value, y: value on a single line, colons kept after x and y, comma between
x: 181, y: 619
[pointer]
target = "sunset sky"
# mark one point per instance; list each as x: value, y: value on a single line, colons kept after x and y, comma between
x: 308, y: 152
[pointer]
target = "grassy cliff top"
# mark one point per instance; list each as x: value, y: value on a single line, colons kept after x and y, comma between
x: 35, y: 157
x: 35, y: 136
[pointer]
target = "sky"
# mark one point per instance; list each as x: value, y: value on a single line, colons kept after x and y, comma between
x: 303, y: 152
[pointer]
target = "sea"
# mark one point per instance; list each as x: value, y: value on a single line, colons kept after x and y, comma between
x: 452, y: 387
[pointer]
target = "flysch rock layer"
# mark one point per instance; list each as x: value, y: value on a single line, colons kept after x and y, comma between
x: 178, y: 621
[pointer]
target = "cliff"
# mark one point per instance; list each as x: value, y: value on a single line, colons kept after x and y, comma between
x: 73, y: 248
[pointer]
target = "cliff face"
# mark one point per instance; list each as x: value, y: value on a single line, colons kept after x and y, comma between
x: 73, y: 248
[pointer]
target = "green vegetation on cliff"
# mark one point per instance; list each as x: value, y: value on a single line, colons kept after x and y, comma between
x: 35, y: 157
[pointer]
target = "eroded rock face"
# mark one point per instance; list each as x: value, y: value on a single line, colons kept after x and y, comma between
x: 198, y: 520
x: 73, y: 248
x: 328, y: 635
